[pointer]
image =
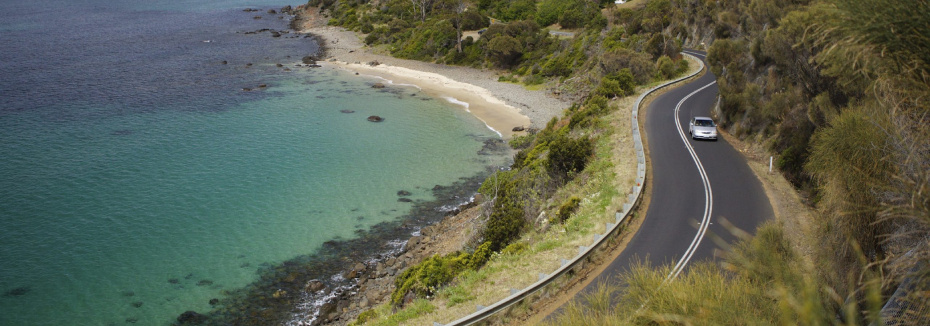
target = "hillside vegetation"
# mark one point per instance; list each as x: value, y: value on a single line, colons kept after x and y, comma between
x: 837, y: 90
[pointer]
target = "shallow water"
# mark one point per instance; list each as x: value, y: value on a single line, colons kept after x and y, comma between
x: 138, y: 180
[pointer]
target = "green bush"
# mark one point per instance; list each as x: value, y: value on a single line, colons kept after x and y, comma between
x: 665, y: 68
x: 481, y: 256
x: 426, y: 277
x: 514, y: 248
x: 534, y: 80
x: 568, y: 208
x: 567, y: 155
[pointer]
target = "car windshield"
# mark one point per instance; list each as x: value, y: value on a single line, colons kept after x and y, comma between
x: 703, y: 123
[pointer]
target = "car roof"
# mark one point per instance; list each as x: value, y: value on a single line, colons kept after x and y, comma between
x: 703, y: 118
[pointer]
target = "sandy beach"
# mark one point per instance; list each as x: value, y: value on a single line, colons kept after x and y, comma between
x: 502, y: 106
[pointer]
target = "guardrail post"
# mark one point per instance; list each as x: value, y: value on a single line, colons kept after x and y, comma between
x: 581, y: 249
x: 437, y: 324
x: 597, y: 237
x: 542, y: 276
x: 563, y: 261
x: 514, y: 291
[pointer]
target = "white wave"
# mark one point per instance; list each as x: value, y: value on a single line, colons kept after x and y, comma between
x: 457, y: 102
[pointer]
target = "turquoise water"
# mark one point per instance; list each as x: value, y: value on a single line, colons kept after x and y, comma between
x: 134, y: 202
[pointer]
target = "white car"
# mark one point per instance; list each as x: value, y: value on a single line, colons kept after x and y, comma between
x: 702, y: 128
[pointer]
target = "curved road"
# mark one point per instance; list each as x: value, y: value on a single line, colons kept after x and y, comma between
x: 687, y: 204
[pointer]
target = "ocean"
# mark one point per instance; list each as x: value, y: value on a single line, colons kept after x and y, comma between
x: 156, y: 155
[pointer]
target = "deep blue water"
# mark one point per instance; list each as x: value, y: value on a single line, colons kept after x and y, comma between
x: 138, y: 180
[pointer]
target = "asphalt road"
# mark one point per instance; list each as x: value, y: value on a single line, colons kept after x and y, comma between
x: 684, y: 213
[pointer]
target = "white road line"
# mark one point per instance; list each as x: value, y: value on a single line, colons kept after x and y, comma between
x: 708, y: 193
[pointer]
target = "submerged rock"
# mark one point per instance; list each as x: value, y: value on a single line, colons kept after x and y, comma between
x: 191, y: 317
x: 403, y: 193
x: 20, y: 291
x: 204, y: 283
x: 375, y: 118
x: 378, y: 85
x: 347, y: 111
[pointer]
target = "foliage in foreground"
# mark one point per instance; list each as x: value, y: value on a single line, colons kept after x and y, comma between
x: 762, y: 283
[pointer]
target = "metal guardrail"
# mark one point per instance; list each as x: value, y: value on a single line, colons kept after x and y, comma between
x: 516, y: 296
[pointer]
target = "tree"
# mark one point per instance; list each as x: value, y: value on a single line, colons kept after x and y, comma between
x: 505, y: 49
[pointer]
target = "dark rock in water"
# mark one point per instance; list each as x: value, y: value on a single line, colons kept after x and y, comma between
x: 174, y: 281
x: 518, y: 128
x: 351, y: 274
x: 20, y: 291
x: 128, y: 293
x: 279, y: 65
x: 327, y: 308
x: 132, y: 320
x: 137, y: 304
x: 249, y: 10
x: 309, y: 60
x: 403, y: 193
x: 257, y: 17
x: 315, y: 286
x: 287, y: 9
x: 347, y: 111
x: 275, y: 34
x: 405, y: 200
x: 375, y: 118
x: 191, y: 318
x: 204, y: 283
x: 262, y: 86
x: 248, y: 64
x: 246, y: 89
x: 272, y: 11
x: 378, y: 85
x: 214, y: 301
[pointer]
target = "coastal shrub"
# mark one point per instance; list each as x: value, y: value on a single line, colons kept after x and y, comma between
x: 521, y: 142
x: 505, y: 51
x: 665, y: 68
x: 568, y: 208
x: 640, y: 64
x: 594, y: 108
x: 367, y: 28
x: 473, y: 20
x: 515, y: 248
x: 481, y: 256
x: 365, y: 316
x: 505, y: 223
x: 426, y: 277
x: 568, y: 155
x: 533, y: 80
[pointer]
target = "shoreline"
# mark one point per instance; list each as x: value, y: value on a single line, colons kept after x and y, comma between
x: 502, y: 106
